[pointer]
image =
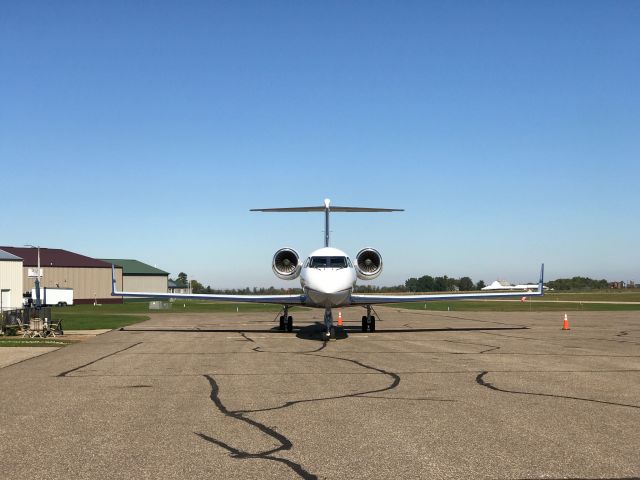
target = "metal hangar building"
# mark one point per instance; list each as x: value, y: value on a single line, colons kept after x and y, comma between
x: 90, y: 278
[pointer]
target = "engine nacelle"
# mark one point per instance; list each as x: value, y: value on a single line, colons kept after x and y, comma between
x: 368, y: 264
x: 286, y: 264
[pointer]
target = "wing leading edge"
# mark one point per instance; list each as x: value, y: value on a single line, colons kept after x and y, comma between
x: 275, y: 299
x: 378, y: 299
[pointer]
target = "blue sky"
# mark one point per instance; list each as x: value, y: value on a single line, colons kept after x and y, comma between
x: 509, y: 131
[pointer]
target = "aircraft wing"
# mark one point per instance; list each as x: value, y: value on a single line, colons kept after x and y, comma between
x: 378, y: 299
x: 296, y: 299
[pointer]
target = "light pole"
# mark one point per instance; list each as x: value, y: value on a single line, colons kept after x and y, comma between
x: 37, y: 277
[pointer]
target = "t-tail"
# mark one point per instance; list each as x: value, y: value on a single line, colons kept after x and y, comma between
x: 327, y: 209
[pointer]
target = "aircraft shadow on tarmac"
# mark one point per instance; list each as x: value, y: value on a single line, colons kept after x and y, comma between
x: 315, y: 331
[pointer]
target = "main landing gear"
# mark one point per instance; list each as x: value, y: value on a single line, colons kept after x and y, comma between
x: 286, y: 320
x: 368, y: 321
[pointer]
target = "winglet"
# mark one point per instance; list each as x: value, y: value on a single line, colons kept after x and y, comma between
x: 541, y: 283
x: 113, y: 281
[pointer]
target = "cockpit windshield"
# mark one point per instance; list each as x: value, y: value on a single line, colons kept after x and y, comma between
x: 328, y: 262
x: 338, y: 262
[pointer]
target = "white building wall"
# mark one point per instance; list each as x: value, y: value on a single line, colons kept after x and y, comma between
x: 11, y: 280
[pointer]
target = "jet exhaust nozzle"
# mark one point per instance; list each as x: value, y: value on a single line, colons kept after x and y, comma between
x: 368, y: 264
x: 286, y: 264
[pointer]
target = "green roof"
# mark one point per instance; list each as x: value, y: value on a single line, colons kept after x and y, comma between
x: 134, y: 267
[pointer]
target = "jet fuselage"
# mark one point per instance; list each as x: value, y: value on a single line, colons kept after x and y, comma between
x: 327, y: 278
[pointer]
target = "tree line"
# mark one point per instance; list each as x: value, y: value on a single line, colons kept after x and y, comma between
x: 577, y: 283
x: 425, y: 283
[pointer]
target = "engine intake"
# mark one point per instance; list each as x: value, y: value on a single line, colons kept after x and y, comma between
x: 368, y: 264
x: 286, y: 264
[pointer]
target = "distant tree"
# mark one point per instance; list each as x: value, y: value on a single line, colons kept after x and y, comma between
x: 411, y: 284
x: 182, y: 278
x: 440, y: 284
x: 480, y: 285
x: 426, y: 284
x: 577, y: 283
x: 465, y: 284
x: 197, y: 287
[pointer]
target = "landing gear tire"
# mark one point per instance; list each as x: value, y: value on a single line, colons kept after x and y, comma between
x: 289, y: 323
x: 369, y: 324
x: 282, y: 322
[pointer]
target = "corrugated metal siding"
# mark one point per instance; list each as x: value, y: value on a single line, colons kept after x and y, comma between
x: 143, y: 283
x: 87, y: 283
x: 11, y: 278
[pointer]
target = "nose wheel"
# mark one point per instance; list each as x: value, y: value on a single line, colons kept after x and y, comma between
x: 368, y: 321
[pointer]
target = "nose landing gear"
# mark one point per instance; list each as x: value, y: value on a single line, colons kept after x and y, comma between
x: 329, y: 328
x: 368, y: 321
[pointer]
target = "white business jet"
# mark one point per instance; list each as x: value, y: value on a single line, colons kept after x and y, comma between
x: 328, y: 277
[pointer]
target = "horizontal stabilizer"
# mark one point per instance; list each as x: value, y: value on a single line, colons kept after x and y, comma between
x: 322, y: 208
x: 327, y: 209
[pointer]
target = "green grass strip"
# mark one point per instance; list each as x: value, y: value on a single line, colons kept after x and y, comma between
x: 98, y: 322
x: 535, y: 306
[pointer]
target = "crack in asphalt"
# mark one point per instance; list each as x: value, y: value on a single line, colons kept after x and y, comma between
x: 408, y: 352
x: 580, y: 478
x: 493, y: 347
x: 544, y: 339
x: 64, y: 374
x: 407, y: 372
x: 285, y: 443
x: 259, y: 349
x: 433, y: 313
x: 394, y: 384
x: 482, y: 382
x: 244, y: 335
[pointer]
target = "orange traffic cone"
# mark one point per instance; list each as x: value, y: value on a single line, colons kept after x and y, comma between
x: 565, y: 324
x: 339, y: 318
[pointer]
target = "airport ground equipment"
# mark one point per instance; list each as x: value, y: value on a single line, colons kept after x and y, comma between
x: 54, y: 296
